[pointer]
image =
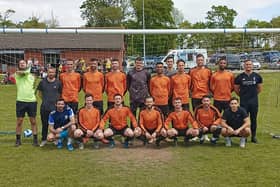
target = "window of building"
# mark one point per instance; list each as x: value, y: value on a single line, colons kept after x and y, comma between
x: 11, y: 57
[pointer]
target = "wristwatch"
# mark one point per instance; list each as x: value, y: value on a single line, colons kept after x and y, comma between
x: 62, y: 127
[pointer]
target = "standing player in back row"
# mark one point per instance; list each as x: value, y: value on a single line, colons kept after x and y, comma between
x: 180, y: 85
x: 71, y: 86
x: 200, y: 77
x: 49, y: 89
x: 170, y: 70
x: 93, y: 83
x: 138, y: 85
x: 115, y: 82
x: 26, y: 101
x: 160, y: 89
x: 222, y: 85
x: 248, y: 85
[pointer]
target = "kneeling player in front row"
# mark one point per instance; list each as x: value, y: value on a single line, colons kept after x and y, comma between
x: 180, y: 119
x: 208, y: 118
x: 118, y: 122
x: 88, y: 121
x: 151, y: 123
x: 61, y: 124
x: 237, y: 123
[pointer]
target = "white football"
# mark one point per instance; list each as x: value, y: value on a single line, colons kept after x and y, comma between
x: 27, y: 133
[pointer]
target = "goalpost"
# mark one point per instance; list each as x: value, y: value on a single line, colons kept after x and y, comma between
x: 52, y: 46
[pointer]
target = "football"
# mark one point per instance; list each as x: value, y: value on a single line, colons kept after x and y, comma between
x: 27, y: 133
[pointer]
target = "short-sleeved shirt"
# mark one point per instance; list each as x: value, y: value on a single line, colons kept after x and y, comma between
x: 235, y: 119
x: 248, y: 86
x: 25, y: 86
x: 58, y: 119
x: 51, y: 91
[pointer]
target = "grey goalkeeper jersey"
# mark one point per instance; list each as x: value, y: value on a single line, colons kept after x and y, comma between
x: 138, y: 84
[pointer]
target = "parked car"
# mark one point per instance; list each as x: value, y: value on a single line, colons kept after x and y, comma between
x: 243, y: 57
x: 188, y: 55
x: 269, y: 56
x: 257, y: 55
x: 149, y: 63
x: 233, y: 60
x: 275, y: 64
x: 256, y: 64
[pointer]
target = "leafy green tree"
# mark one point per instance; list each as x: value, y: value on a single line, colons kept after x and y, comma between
x: 158, y: 15
x: 275, y: 22
x: 105, y: 13
x: 32, y: 22
x: 183, y: 39
x: 253, y: 23
x: 257, y: 40
x: 4, y: 18
x: 198, y: 40
x: 220, y: 17
x: 178, y: 16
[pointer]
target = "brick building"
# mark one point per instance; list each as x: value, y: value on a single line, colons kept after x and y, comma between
x: 50, y: 48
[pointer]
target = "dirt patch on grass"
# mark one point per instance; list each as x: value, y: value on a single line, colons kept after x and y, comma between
x: 138, y: 154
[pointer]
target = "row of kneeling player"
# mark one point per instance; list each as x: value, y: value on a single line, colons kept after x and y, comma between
x: 151, y: 126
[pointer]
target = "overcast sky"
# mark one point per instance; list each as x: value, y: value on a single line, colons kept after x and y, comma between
x: 67, y: 12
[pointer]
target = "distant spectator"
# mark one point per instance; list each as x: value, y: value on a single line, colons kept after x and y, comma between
x: 108, y: 65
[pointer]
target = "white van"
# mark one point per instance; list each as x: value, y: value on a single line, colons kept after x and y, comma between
x: 188, y: 55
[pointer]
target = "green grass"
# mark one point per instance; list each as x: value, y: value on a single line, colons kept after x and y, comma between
x: 191, y: 165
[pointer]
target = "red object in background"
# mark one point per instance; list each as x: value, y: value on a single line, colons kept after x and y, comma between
x: 12, y: 80
x: 63, y: 68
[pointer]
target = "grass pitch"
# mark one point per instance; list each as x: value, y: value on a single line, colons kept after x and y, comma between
x: 184, y: 165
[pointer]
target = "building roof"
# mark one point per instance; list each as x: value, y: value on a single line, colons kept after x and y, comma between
x: 61, y: 41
